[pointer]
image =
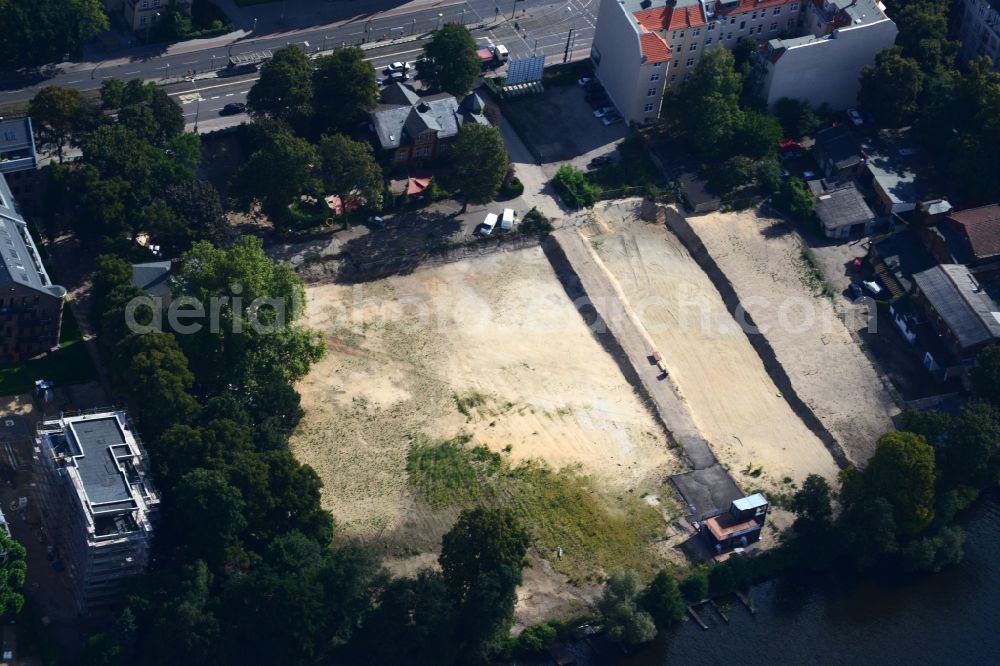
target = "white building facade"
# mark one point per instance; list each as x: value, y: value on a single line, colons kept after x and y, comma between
x: 642, y: 46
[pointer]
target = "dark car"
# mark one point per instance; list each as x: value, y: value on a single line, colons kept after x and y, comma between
x: 855, y: 291
x: 600, y: 161
x: 233, y: 108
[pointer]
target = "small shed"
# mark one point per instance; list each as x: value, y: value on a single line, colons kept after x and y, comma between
x: 738, y: 527
x: 841, y: 209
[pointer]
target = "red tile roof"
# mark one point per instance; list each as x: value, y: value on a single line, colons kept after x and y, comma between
x: 982, y: 226
x: 671, y: 18
x: 654, y: 48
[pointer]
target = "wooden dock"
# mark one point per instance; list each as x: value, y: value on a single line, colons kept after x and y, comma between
x: 718, y: 610
x: 746, y: 602
x: 694, y: 615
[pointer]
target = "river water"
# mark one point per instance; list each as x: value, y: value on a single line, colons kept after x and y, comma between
x: 949, y: 618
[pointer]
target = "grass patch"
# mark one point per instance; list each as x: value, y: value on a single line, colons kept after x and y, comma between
x: 466, y: 402
x: 633, y: 173
x: 812, y: 277
x: 69, y: 364
x: 562, y: 509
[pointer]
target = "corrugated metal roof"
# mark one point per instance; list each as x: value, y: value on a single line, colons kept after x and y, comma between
x: 960, y: 300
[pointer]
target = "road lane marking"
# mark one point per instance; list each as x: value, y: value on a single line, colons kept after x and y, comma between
x: 127, y: 73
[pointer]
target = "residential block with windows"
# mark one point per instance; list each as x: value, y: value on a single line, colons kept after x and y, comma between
x: 980, y: 30
x: 635, y: 37
x: 97, y: 501
x: 30, y: 305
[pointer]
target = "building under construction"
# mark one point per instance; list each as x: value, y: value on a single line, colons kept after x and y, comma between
x: 97, y: 501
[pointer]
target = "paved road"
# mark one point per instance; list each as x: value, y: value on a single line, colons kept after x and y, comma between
x: 542, y: 27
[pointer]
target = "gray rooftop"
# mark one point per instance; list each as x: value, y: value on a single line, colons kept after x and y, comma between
x: 404, y: 115
x: 19, y: 259
x: 841, y: 205
x: 962, y: 302
x: 838, y: 145
x: 153, y: 278
x: 16, y: 135
x: 897, y: 165
x: 98, y: 440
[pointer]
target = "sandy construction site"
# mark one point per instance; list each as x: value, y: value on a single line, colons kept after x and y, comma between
x: 733, y: 401
x: 491, y: 347
x: 762, y: 258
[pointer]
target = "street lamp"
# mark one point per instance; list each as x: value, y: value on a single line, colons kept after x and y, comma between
x: 254, y: 28
x: 440, y: 17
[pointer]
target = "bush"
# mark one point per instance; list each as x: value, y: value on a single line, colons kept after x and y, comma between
x: 511, y: 188
x: 534, y: 639
x: 574, y: 188
x: 534, y: 222
x: 694, y: 587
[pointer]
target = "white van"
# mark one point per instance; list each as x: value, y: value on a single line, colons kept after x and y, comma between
x: 501, y: 53
x: 486, y: 228
x: 507, y: 221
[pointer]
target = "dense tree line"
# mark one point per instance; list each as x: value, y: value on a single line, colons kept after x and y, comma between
x: 954, y: 107
x: 137, y: 173
x: 36, y: 32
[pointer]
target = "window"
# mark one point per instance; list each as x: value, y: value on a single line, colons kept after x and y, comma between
x: 711, y: 27
x: 774, y: 26
x: 693, y: 47
x: 732, y: 20
x: 655, y: 76
x: 708, y: 41
x: 759, y: 28
x: 777, y: 10
x: 682, y: 34
x: 690, y: 63
x: 657, y: 64
x: 696, y: 32
x: 794, y: 7
x: 672, y: 77
x: 677, y: 63
x: 743, y: 24
x: 651, y: 92
x: 729, y: 36
x: 156, y: 3
x: 753, y: 17
x: 144, y: 20
x: 649, y: 108
x: 145, y: 4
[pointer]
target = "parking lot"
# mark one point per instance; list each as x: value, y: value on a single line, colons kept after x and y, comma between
x: 570, y: 129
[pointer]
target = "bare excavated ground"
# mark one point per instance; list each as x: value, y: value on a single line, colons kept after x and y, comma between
x: 763, y: 259
x: 490, y: 348
x: 721, y: 379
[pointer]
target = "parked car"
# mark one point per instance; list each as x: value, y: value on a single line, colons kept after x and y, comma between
x: 507, y: 220
x: 600, y: 161
x: 599, y: 103
x: 376, y: 220
x: 855, y: 117
x: 232, y: 109
x: 873, y: 287
x: 585, y: 81
x: 486, y: 228
x: 603, y: 111
x: 612, y: 119
x: 785, y: 173
x: 789, y: 145
x: 397, y: 67
x: 808, y: 175
x: 855, y: 291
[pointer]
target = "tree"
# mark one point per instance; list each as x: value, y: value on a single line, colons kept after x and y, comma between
x: 869, y: 532
x: 197, y: 202
x: 344, y: 89
x: 276, y: 175
x: 756, y: 136
x: 811, y: 505
x: 903, y: 472
x: 480, y: 163
x: 349, y: 166
x: 663, y: 601
x: 412, y: 622
x: 934, y: 553
x: 210, y: 515
x: 707, y: 106
x: 111, y: 272
x: 54, y: 111
x: 481, y: 561
x: 12, y: 571
x: 112, y: 93
x: 797, y: 118
x: 890, y: 89
x: 450, y: 62
x: 41, y: 31
x: 255, y: 340
x: 970, y: 454
x: 694, y: 588
x: 620, y: 613
x: 986, y: 375
x: 185, y: 629
x: 151, y: 368
x: 794, y: 198
x: 734, y: 173
x: 284, y: 89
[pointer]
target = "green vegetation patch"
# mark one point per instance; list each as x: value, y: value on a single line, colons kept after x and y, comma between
x: 562, y: 509
x: 633, y: 173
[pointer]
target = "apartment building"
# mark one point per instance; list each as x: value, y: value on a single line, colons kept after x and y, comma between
x: 642, y: 46
x: 97, y: 502
x: 824, y: 65
x: 141, y: 15
x: 980, y: 30
x: 30, y: 305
